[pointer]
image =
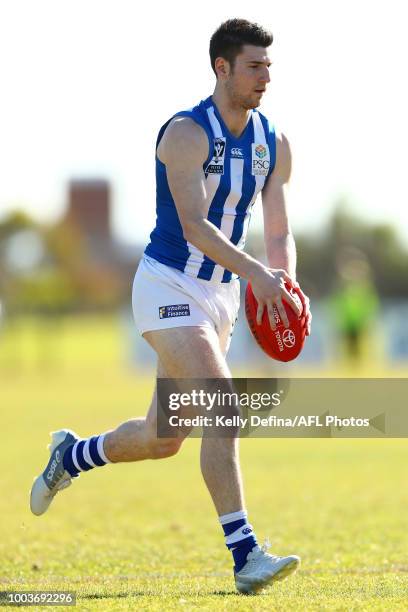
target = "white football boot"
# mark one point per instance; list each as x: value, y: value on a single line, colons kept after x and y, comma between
x: 54, y: 478
x: 262, y: 569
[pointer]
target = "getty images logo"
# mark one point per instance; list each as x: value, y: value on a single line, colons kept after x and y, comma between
x: 54, y: 465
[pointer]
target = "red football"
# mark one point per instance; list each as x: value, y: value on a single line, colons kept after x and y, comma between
x: 283, y: 344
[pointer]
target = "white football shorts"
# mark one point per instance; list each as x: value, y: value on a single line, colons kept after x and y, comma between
x: 164, y: 297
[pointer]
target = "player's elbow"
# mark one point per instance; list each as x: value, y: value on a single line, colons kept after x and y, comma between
x: 192, y: 229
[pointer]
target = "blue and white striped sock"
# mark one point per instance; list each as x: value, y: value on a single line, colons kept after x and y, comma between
x: 239, y: 536
x: 85, y: 455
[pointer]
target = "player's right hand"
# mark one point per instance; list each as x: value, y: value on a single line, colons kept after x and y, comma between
x: 268, y: 286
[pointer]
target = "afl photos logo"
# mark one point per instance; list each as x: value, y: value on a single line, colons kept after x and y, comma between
x: 260, y: 159
x: 216, y: 165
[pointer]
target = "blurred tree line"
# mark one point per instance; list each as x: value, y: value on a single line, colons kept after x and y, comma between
x: 50, y: 270
x: 318, y: 256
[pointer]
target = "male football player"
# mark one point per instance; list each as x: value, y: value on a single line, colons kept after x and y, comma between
x: 211, y: 163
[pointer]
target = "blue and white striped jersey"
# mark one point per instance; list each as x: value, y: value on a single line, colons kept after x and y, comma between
x: 235, y: 172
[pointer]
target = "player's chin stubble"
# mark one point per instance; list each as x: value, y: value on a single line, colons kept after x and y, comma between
x: 245, y: 102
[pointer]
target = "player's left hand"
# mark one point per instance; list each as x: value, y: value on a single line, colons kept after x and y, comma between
x: 306, y: 307
x: 305, y: 302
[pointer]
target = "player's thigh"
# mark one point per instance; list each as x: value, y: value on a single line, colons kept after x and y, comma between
x: 189, y: 352
x: 185, y: 353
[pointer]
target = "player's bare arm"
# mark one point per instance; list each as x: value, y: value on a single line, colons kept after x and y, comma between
x: 279, y: 241
x: 184, y: 149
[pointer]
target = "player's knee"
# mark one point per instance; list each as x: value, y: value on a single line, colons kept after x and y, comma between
x: 162, y: 448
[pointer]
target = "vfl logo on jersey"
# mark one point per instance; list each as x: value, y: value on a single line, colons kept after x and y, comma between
x: 219, y: 148
x: 175, y: 310
x: 236, y: 152
x: 260, y: 159
x: 216, y: 165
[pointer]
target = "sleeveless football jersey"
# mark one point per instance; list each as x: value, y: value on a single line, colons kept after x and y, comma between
x: 235, y: 172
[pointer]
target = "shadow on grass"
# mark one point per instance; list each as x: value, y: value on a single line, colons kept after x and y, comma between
x: 105, y: 595
x: 151, y: 594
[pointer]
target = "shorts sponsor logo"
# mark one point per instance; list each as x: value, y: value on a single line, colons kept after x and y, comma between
x: 174, y: 310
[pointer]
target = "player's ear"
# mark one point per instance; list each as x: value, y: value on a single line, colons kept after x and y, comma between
x: 222, y: 67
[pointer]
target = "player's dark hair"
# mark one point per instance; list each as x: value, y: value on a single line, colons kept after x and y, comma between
x: 228, y: 40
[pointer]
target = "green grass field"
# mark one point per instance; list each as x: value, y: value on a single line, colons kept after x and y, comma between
x: 146, y: 537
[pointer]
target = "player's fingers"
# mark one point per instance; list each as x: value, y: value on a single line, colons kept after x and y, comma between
x: 308, y: 323
x: 288, y: 279
x: 304, y: 299
x: 272, y: 322
x: 301, y: 295
x: 282, y: 312
x: 289, y: 299
x: 259, y: 313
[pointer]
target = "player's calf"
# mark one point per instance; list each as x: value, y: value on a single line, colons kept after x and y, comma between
x: 165, y: 447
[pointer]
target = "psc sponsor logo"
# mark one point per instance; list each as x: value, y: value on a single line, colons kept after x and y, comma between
x: 260, y: 167
x: 260, y: 151
x: 260, y: 159
x: 174, y: 310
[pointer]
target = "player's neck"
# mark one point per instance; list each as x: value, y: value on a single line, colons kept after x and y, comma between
x: 234, y: 117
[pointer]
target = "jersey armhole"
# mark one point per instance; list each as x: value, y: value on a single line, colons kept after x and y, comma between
x: 196, y: 120
x: 272, y: 148
x: 270, y: 134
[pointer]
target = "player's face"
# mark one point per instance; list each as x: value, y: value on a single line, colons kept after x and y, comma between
x: 249, y: 78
